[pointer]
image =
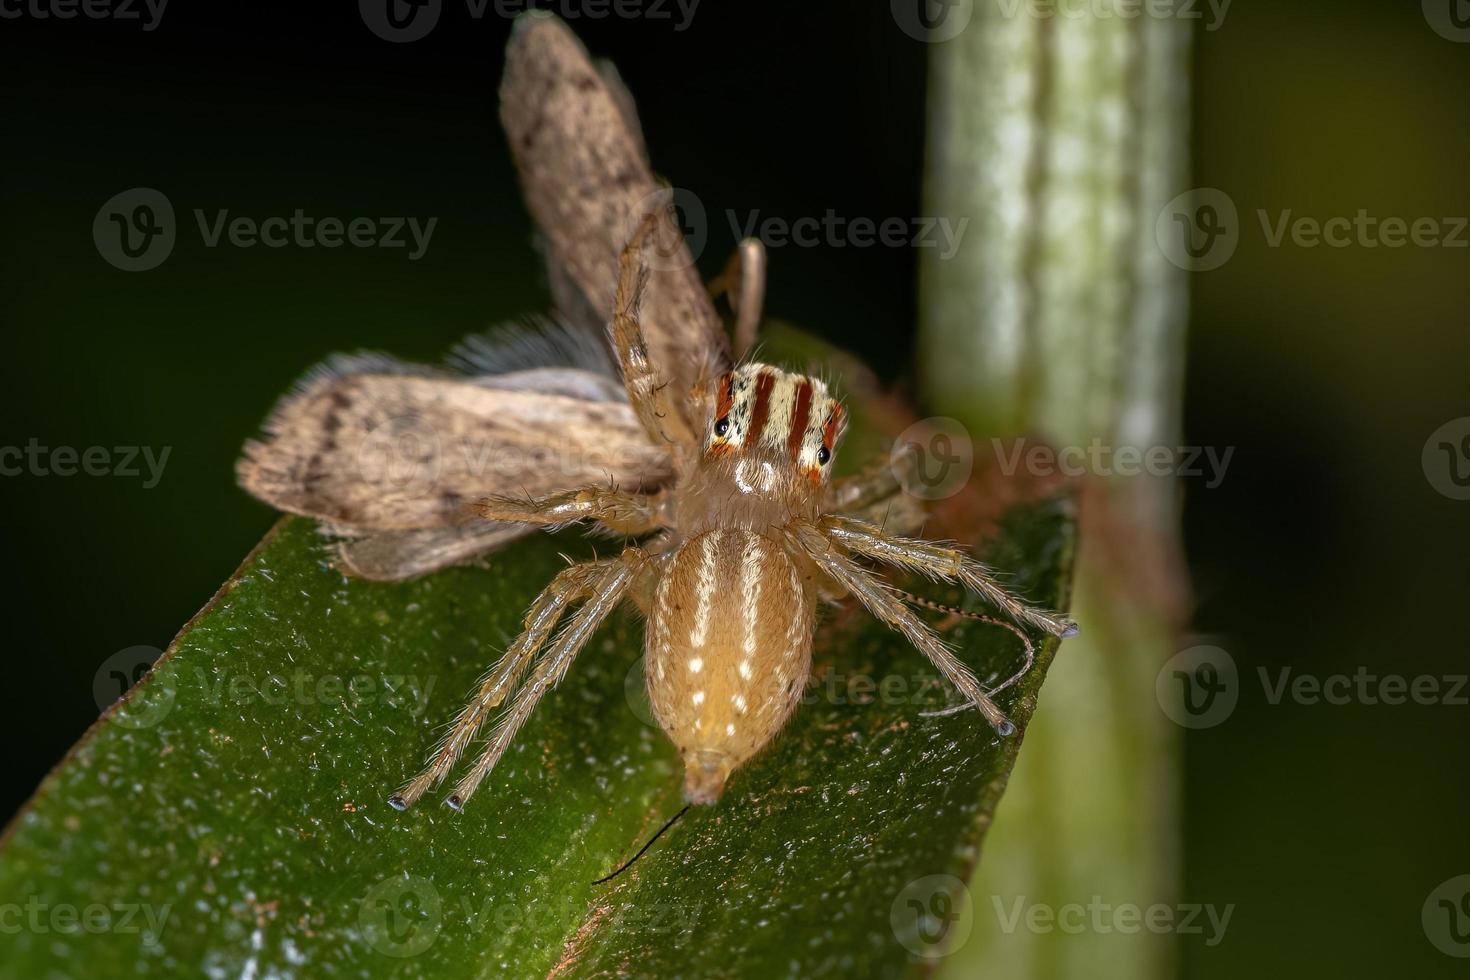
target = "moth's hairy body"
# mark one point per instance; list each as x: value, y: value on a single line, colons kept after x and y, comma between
x: 716, y: 474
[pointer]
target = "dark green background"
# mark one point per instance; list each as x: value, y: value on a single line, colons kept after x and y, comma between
x: 1327, y: 369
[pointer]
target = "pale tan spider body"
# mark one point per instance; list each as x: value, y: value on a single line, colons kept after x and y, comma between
x: 729, y: 634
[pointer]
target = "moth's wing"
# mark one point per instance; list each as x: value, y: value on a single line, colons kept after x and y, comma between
x: 587, y: 184
x: 392, y: 556
x: 381, y: 449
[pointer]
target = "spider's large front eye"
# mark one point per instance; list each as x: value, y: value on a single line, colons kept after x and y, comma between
x: 824, y: 456
x: 722, y: 426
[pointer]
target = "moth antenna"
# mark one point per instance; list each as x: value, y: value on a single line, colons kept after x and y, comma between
x: 629, y: 863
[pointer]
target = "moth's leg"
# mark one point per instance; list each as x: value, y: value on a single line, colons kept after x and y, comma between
x: 603, y: 596
x: 630, y: 514
x: 647, y: 389
x: 570, y: 584
x: 881, y: 600
x: 939, y: 561
x: 744, y: 279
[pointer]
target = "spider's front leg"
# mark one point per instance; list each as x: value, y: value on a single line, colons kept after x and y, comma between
x: 882, y: 601
x: 647, y: 388
x: 939, y: 561
x: 630, y: 514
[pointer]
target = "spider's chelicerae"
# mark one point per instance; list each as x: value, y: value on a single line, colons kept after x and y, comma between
x: 729, y: 562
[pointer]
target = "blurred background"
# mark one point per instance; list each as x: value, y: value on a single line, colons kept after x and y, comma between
x: 1334, y: 544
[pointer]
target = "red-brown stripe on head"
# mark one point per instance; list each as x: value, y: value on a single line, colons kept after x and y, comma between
x: 783, y: 415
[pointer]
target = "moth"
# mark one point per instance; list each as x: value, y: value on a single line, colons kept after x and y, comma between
x: 714, y: 470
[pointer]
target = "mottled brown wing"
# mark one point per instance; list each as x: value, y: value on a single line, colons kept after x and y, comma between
x: 587, y: 183
x: 372, y: 453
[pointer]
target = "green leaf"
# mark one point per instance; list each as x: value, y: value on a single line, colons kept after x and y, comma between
x: 229, y: 816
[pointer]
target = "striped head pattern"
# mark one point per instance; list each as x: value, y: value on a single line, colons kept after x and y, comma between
x: 764, y: 411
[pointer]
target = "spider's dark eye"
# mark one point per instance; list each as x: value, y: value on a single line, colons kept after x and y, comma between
x: 722, y: 426
x: 824, y: 456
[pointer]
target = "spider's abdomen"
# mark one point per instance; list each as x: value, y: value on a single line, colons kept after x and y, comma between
x: 728, y: 650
